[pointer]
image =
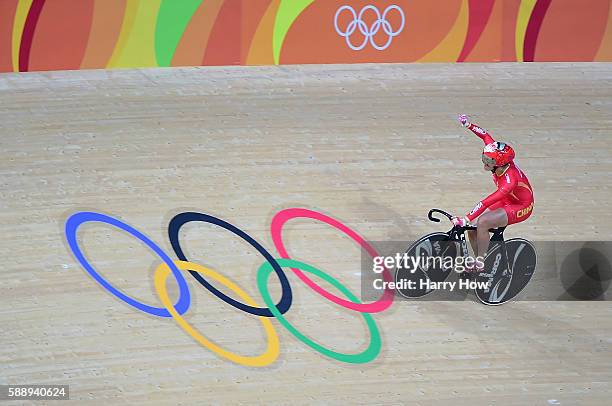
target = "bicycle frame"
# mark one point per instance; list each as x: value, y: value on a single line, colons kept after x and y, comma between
x: 457, y: 233
x: 500, y: 286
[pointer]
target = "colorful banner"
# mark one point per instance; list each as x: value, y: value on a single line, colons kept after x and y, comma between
x: 40, y: 35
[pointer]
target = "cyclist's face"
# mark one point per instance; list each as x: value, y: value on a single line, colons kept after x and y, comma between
x: 489, y: 163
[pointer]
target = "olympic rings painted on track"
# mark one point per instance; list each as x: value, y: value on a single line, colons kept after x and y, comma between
x: 277, y: 228
x: 173, y: 232
x: 375, y: 342
x: 73, y: 223
x: 269, y: 356
x: 248, y: 305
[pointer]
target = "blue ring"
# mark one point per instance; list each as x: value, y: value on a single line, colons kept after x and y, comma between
x: 73, y: 223
x: 173, y: 233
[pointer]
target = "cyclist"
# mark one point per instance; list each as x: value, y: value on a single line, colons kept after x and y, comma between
x: 511, y: 203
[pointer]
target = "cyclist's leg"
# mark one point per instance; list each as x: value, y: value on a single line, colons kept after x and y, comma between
x: 472, y: 233
x: 473, y: 243
x: 491, y: 219
x: 472, y: 237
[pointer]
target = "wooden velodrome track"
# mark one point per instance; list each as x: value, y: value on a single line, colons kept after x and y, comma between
x: 373, y: 145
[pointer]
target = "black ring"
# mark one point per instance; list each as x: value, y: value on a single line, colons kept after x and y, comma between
x: 173, y: 232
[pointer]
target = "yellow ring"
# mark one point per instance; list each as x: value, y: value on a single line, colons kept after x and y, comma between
x: 161, y: 275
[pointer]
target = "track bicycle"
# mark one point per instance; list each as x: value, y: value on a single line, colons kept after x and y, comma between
x: 508, y: 264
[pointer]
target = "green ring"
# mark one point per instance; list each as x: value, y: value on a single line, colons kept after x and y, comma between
x: 263, y: 273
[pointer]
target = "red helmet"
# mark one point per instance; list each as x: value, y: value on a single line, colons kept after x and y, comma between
x: 497, y: 153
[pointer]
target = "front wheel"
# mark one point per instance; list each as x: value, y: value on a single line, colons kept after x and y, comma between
x: 430, y: 253
x: 503, y: 280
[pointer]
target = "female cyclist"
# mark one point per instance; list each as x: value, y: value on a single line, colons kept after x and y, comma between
x: 511, y: 203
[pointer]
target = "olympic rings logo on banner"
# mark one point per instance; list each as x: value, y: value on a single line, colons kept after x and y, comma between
x: 248, y: 304
x: 369, y: 32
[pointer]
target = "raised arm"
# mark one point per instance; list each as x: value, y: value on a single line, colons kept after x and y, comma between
x: 479, y: 131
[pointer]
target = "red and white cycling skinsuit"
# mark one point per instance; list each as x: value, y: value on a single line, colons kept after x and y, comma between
x: 513, y: 194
